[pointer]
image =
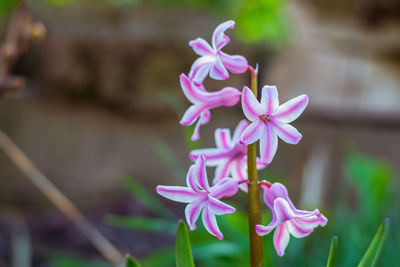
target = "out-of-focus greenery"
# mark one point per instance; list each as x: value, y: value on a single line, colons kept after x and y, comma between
x: 183, y: 249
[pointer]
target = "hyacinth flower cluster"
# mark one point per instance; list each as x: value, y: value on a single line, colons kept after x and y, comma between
x: 266, y: 121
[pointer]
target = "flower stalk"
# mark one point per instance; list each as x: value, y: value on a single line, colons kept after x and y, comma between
x: 256, y: 242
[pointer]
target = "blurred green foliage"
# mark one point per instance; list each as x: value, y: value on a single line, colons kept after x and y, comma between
x: 183, y: 249
x: 6, y: 6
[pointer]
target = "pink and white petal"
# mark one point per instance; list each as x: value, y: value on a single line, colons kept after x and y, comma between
x: 219, y: 208
x: 193, y: 93
x: 196, y: 131
x: 269, y: 99
x: 291, y: 110
x: 225, y: 187
x: 262, y: 230
x: 201, y: 173
x: 215, y: 156
x: 281, y: 238
x: 192, y: 211
x: 260, y: 164
x: 227, y: 96
x: 298, y: 230
x: 219, y: 39
x: 218, y: 71
x: 191, y: 179
x: 201, y: 47
x: 276, y: 190
x: 210, y: 222
x: 282, y: 210
x: 286, y: 132
x: 253, y: 132
x: 177, y: 193
x: 223, y: 138
x: 239, y: 171
x: 201, y: 68
x: 192, y: 113
x: 268, y: 144
x: 222, y: 170
x: 252, y: 109
x: 315, y: 220
x: 242, y: 125
x: 234, y: 63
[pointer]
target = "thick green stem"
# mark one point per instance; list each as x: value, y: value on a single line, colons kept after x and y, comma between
x: 256, y: 242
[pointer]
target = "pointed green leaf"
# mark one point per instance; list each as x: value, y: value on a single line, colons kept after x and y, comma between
x: 183, y: 251
x: 131, y: 262
x: 371, y: 256
x: 333, y: 253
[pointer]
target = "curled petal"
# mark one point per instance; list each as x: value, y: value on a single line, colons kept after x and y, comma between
x: 291, y: 110
x: 192, y: 113
x: 298, y: 230
x: 222, y: 138
x: 239, y: 130
x: 201, y: 47
x: 281, y: 239
x: 262, y: 230
x: 269, y: 99
x: 210, y: 223
x: 277, y: 190
x: 219, y: 39
x: 226, y: 187
x: 219, y: 208
x: 312, y: 221
x: 227, y: 96
x: 252, y: 109
x: 201, y: 173
x: 282, y: 210
x: 253, y: 132
x: 193, y: 92
x: 260, y: 164
x: 287, y: 132
x: 177, y: 193
x: 204, y: 118
x: 201, y: 68
x: 268, y: 144
x: 234, y: 63
x: 218, y: 71
x: 191, y: 179
x: 192, y: 211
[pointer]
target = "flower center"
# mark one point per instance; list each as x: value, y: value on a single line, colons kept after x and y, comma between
x: 265, y: 118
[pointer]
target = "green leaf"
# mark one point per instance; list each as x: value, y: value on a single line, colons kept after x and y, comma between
x: 371, y: 256
x: 147, y: 199
x: 142, y: 223
x: 183, y: 252
x: 131, y: 262
x: 333, y: 253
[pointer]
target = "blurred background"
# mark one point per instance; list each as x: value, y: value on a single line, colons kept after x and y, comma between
x: 99, y: 116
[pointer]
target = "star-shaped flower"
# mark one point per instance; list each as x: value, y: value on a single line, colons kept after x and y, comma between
x: 203, y: 101
x: 286, y: 219
x: 270, y: 120
x: 212, y: 60
x: 201, y: 197
x: 229, y: 157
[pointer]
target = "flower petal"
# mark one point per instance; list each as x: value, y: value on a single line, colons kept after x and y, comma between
x: 269, y: 99
x: 286, y: 132
x: 194, y: 93
x: 253, y: 132
x: 282, y: 210
x: 215, y: 156
x: 227, y: 96
x: 226, y: 187
x: 276, y: 190
x: 262, y: 230
x: 242, y: 125
x: 239, y: 171
x: 204, y: 118
x: 201, y: 173
x: 291, y: 110
x: 298, y: 230
x: 281, y: 238
x: 201, y: 47
x: 192, y: 113
x: 219, y: 39
x: 222, y: 170
x: 191, y: 179
x: 234, y: 63
x: 223, y: 138
x: 210, y: 222
x: 177, y: 193
x: 252, y: 109
x: 219, y: 208
x: 218, y: 71
x: 268, y: 144
x: 201, y: 68
x: 192, y: 211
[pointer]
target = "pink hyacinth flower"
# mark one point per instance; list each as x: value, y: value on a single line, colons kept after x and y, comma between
x: 212, y: 60
x: 286, y: 219
x: 203, y: 101
x: 229, y: 157
x: 201, y: 197
x: 270, y: 120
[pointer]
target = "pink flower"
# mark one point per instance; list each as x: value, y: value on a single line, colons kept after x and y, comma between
x: 286, y: 219
x: 203, y: 101
x: 212, y: 60
x: 229, y: 157
x: 270, y: 120
x: 201, y: 197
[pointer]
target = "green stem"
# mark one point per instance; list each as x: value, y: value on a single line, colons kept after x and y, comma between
x: 256, y: 242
